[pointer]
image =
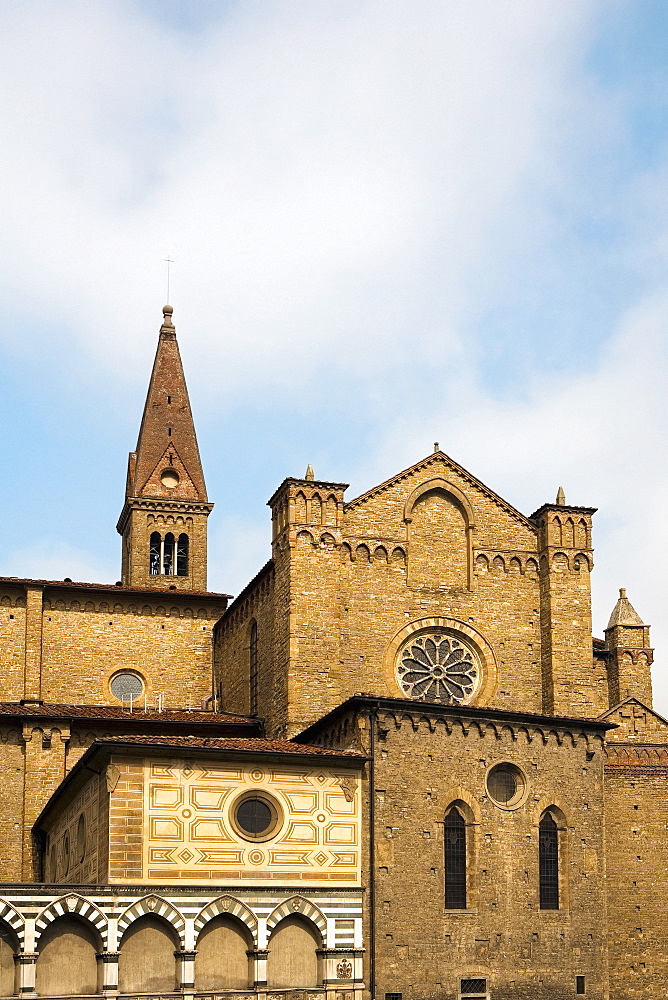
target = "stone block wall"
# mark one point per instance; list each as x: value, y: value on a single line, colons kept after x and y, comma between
x: 431, y: 545
x: 63, y: 644
x: 426, y: 759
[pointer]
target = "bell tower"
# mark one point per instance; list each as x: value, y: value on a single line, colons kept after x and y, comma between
x: 164, y: 519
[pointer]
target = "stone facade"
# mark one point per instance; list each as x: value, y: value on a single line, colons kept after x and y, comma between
x: 464, y: 794
x: 427, y: 759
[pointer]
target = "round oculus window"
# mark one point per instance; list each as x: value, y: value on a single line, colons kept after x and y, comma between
x: 126, y: 685
x: 169, y: 478
x: 435, y: 666
x: 506, y: 786
x: 255, y: 816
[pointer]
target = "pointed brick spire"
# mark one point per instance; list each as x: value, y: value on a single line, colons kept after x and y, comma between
x: 164, y: 517
x: 166, y: 463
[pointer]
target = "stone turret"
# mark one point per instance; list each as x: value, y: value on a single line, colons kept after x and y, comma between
x: 566, y: 560
x: 630, y: 655
x: 164, y: 519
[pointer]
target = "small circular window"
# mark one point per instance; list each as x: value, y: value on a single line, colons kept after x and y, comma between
x: 126, y: 685
x: 169, y: 478
x: 255, y: 816
x: 506, y: 786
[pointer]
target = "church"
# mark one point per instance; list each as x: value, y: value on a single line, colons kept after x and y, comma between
x: 397, y: 766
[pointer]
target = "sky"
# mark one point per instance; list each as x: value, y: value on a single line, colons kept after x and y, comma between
x: 392, y: 223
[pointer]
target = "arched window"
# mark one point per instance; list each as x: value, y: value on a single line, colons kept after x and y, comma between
x: 252, y: 665
x: 154, y: 554
x: 548, y: 851
x: 455, y: 860
x: 168, y: 560
x: 182, y: 556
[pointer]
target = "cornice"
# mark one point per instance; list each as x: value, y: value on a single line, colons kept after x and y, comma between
x: 165, y: 506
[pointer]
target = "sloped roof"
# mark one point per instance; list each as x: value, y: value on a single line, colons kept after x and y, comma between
x: 623, y: 612
x: 245, y: 745
x: 117, y: 588
x: 118, y: 712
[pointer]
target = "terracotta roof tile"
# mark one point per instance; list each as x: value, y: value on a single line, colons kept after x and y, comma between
x: 117, y: 588
x: 58, y: 711
x: 248, y: 745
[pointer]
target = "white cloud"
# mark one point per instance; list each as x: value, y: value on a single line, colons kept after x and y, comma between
x: 351, y: 191
x: 601, y: 435
x: 318, y: 173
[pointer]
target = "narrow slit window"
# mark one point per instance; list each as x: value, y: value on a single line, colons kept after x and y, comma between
x: 455, y: 860
x: 548, y: 847
x: 580, y: 985
x: 154, y: 554
x: 253, y: 668
x: 182, y: 556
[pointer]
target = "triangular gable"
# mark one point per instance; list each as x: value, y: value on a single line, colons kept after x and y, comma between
x: 439, y: 461
x: 153, y: 486
x: 635, y: 722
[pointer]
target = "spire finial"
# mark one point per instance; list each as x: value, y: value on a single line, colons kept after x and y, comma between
x: 167, y: 326
x: 561, y: 497
x: 436, y: 447
x: 310, y: 476
x: 622, y: 593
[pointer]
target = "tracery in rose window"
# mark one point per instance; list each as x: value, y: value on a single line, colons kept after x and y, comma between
x: 437, y: 667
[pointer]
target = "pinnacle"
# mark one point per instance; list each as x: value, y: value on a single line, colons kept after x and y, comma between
x: 561, y: 497
x: 623, y: 612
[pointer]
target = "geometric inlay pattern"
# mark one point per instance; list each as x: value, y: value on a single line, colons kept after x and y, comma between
x: 191, y: 836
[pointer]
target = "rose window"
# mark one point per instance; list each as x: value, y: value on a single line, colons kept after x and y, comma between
x: 437, y: 667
